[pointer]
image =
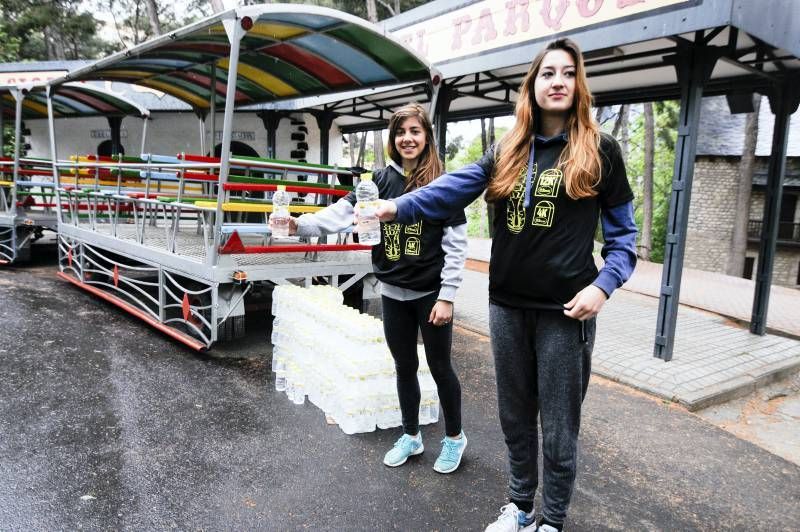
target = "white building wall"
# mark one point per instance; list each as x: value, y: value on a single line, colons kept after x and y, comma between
x: 173, y: 133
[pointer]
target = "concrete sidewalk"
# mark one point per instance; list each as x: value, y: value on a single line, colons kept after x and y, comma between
x: 715, y: 359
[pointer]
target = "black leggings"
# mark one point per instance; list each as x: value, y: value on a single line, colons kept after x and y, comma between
x: 401, y: 320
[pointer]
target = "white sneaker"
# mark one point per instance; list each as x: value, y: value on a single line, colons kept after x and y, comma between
x: 512, y: 519
x: 546, y: 528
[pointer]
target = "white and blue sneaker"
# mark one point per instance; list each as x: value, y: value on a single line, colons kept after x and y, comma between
x: 452, y: 451
x: 403, y: 448
x: 512, y: 519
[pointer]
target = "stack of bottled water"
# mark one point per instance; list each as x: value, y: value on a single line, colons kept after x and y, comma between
x: 338, y: 358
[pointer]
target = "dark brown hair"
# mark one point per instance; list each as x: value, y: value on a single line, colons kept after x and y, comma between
x: 429, y: 165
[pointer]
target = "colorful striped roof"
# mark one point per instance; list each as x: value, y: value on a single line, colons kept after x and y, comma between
x: 290, y: 51
x: 70, y: 100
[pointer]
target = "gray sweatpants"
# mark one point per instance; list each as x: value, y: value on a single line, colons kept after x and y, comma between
x: 542, y: 362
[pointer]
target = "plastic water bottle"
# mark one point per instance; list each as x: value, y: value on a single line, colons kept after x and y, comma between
x: 369, y: 227
x: 280, y: 212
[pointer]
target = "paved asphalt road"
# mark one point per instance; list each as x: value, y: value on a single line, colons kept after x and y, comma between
x: 106, y: 424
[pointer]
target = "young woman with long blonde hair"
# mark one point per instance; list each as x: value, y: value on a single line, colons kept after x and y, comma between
x: 420, y: 268
x: 550, y: 177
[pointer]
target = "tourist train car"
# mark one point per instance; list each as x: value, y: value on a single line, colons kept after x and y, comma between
x: 180, y: 240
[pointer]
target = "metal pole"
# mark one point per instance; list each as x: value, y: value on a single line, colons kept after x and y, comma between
x: 144, y: 132
x: 227, y: 124
x: 53, y: 154
x: 115, y: 124
x: 441, y: 98
x: 2, y: 129
x: 271, y: 120
x: 783, y: 102
x: 324, y: 121
x: 213, y: 103
x: 202, y: 122
x: 694, y: 64
x: 18, y: 97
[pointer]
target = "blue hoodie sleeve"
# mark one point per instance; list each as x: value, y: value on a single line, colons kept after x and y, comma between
x: 447, y: 194
x: 619, y: 250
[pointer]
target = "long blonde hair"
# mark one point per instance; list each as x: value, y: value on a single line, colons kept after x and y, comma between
x: 580, y: 160
x: 429, y: 165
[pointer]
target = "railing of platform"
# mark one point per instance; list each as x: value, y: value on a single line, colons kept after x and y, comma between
x: 788, y: 232
x: 170, y: 196
x: 27, y: 204
x: 34, y: 187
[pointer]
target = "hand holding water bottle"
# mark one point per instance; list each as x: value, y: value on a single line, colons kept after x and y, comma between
x: 386, y: 210
x: 280, y: 220
x: 369, y: 227
x: 292, y: 226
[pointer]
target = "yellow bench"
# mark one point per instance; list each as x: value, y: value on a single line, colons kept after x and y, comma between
x: 256, y: 207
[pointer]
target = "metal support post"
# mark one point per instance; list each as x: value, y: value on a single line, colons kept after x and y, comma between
x: 144, y: 133
x: 51, y: 128
x: 235, y: 33
x: 441, y: 106
x: 324, y: 121
x: 212, y: 107
x: 19, y: 95
x: 115, y: 124
x: 201, y: 118
x: 694, y: 64
x: 2, y: 130
x: 783, y: 100
x: 271, y: 120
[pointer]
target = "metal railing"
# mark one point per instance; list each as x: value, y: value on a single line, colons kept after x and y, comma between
x: 788, y: 232
x: 175, y: 195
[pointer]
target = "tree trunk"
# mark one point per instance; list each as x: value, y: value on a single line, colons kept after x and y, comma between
x: 377, y: 144
x: 362, y: 148
x: 136, y: 37
x: 483, y: 135
x: 646, y: 242
x: 351, y: 144
x: 489, y: 204
x: 598, y: 114
x: 152, y: 14
x: 736, y: 256
x: 54, y: 44
x: 372, y: 11
x: 620, y: 131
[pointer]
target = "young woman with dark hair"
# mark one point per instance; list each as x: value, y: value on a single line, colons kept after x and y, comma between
x: 550, y: 177
x: 420, y: 268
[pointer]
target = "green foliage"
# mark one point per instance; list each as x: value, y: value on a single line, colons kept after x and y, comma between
x: 132, y: 22
x: 472, y: 152
x: 666, y: 122
x: 356, y: 7
x: 50, y: 30
x: 9, y: 51
x: 8, y: 141
x: 454, y: 145
x: 477, y: 217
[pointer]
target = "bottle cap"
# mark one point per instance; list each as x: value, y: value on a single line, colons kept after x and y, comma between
x: 282, y: 188
x: 366, y: 177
